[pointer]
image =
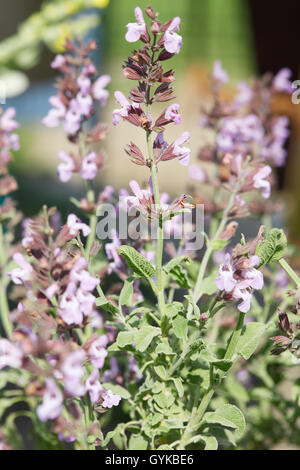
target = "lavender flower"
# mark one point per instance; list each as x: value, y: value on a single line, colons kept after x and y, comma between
x: 51, y: 407
x: 259, y: 181
x: 93, y: 386
x: 10, y: 354
x: 218, y: 73
x: 97, y: 351
x: 73, y: 373
x: 89, y: 168
x: 75, y: 225
x: 23, y: 272
x: 172, y: 40
x: 66, y: 167
x: 182, y: 152
x: 110, y: 399
x: 136, y: 30
x: 99, y: 92
x: 172, y: 113
x: 281, y: 81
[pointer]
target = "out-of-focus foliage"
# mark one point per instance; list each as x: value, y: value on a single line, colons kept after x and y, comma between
x: 50, y: 26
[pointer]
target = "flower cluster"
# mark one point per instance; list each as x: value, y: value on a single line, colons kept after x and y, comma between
x: 238, y: 276
x: 250, y: 132
x: 79, y: 90
x: 8, y: 141
x: 145, y: 66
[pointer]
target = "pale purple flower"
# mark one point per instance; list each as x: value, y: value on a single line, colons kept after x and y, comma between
x: 23, y: 272
x: 10, y: 354
x: 52, y: 290
x: 59, y: 61
x: 93, y: 386
x: 136, y: 30
x: 112, y: 253
x: 99, y: 92
x: 75, y: 225
x: 51, y: 407
x: 97, y: 351
x: 172, y: 113
x: 73, y: 373
x: 282, y: 82
x: 111, y: 374
x: 7, y: 123
x: 240, y: 132
x: 110, y: 399
x: 79, y: 274
x: 182, y: 152
x: 259, y: 181
x: 253, y: 277
x: 69, y: 306
x: 172, y: 40
x: 226, y: 281
x: 244, y: 95
x: 56, y: 113
x: 72, y: 119
x: 84, y: 83
x: 196, y: 173
x: 66, y: 167
x: 89, y: 168
x: 245, y: 295
x: 218, y: 73
x: 123, y: 111
x: 84, y: 103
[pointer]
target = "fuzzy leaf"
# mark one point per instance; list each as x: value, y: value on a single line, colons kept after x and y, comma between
x: 222, y: 364
x: 249, y: 339
x: 228, y: 416
x: 272, y: 248
x: 161, y: 372
x: 175, y: 262
x: 180, y: 277
x: 180, y: 326
x: 126, y: 293
x: 136, y: 261
x: 137, y: 442
x: 107, y: 306
x: 144, y: 337
x: 125, y: 338
x: 179, y: 387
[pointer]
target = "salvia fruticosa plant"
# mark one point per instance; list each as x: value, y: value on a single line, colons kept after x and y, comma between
x: 143, y: 343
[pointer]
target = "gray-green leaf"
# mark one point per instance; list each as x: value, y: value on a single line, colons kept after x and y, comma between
x: 136, y: 261
x: 249, y: 339
x: 272, y: 248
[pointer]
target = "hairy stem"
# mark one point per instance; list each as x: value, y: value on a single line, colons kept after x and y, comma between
x: 160, y: 233
x: 290, y: 272
x: 197, y: 416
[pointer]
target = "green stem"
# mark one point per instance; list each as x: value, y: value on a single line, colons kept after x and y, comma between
x: 196, y: 418
x: 4, y: 309
x: 209, y: 249
x: 290, y: 272
x: 160, y: 233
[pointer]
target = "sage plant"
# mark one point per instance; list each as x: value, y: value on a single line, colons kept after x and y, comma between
x: 148, y: 342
